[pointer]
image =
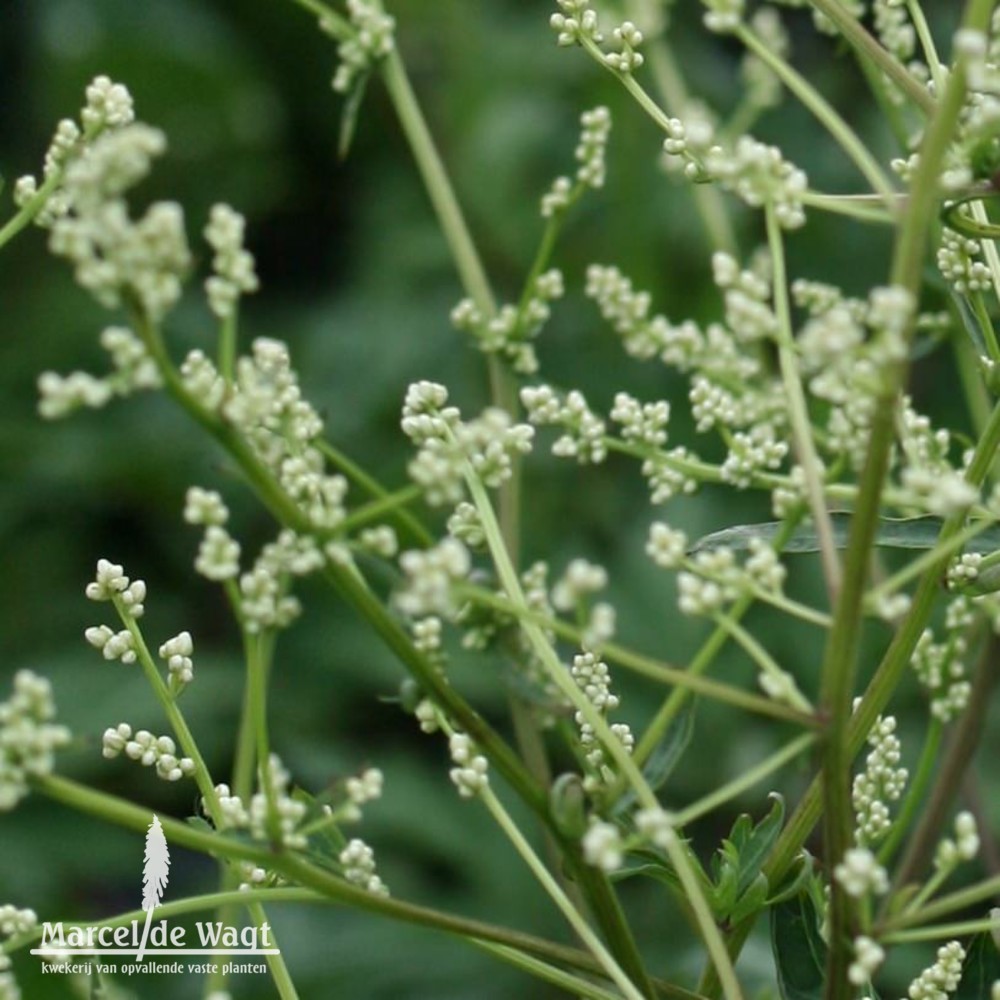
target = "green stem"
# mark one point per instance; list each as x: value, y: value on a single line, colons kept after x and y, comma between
x: 813, y: 101
x: 275, y: 963
x: 858, y: 38
x: 438, y: 186
x: 689, y: 679
x: 748, y: 779
x: 572, y: 915
x: 941, y: 932
x: 566, y: 981
x: 377, y: 510
x: 853, y: 206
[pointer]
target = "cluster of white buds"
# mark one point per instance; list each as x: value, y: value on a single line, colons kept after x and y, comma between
x: 868, y: 956
x: 689, y: 140
x: 13, y: 923
x: 447, y: 445
x: 233, y: 266
x: 964, y: 569
x: 114, y: 257
x: 940, y: 667
x: 578, y: 582
x: 667, y: 546
x: 288, y: 812
x: 113, y: 645
x: 149, y: 750
x: 177, y: 652
x: 108, y: 106
x: 202, y: 379
x: 111, y: 584
x: 627, y: 310
x: 219, y: 553
x: 644, y: 423
x: 881, y: 782
x: 358, y: 860
x: 747, y: 299
x: 365, y: 788
x: 590, y: 154
x: 723, y: 16
x: 465, y: 524
x: 626, y: 59
x: 860, y: 874
x: 470, y: 773
x: 379, y: 540
x: 134, y: 370
x: 426, y: 634
x: 751, y: 452
x: 28, y: 736
x: 510, y: 331
x: 759, y: 175
x: 959, y: 259
x: 964, y: 847
x: 941, y: 494
x: 430, y: 576
x: 575, y: 23
x: 657, y: 826
x: 371, y: 40
x: 894, y: 29
x: 714, y: 580
x: 941, y: 978
x: 593, y: 679
x: 584, y: 432
x: 602, y: 846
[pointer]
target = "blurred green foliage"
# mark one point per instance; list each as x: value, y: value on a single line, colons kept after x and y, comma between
x: 356, y: 277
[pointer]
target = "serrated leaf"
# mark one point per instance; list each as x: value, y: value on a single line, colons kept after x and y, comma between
x: 892, y: 533
x: 752, y: 901
x: 657, y: 869
x: 799, y: 951
x: 795, y: 882
x: 980, y: 970
x: 349, y: 115
x: 665, y: 758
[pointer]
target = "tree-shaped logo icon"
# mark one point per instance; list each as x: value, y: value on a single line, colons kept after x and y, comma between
x: 155, y: 872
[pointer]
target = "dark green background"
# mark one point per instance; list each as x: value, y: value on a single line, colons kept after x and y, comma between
x: 357, y: 279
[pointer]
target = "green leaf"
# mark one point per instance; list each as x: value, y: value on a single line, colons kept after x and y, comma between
x: 980, y: 970
x: 892, y: 533
x: 665, y: 758
x: 799, y: 951
x: 971, y: 323
x: 349, y: 115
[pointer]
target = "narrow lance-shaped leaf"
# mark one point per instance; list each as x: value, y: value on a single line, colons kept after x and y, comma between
x: 892, y: 533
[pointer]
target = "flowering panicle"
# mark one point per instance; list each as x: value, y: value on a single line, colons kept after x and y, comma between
x: 28, y: 736
x: 583, y: 435
x: 881, y: 782
x: 488, y: 445
x: 942, y: 977
x: 371, y: 39
x: 470, y: 773
x: 590, y: 155
x: 149, y: 750
x: 592, y: 677
x: 358, y: 861
x: 233, y: 266
x: 510, y: 332
x: 108, y: 106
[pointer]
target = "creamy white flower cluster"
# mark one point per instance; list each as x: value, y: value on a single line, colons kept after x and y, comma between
x: 959, y: 259
x: 28, y: 736
x: 964, y: 847
x: 576, y: 23
x: 111, y: 584
x: 882, y: 781
x: 941, y: 978
x: 594, y: 680
x: 894, y: 28
x: 868, y: 956
x: 713, y: 578
x: 234, y: 273
x: 510, y: 331
x: 365, y: 788
x: 371, y: 39
x: 571, y: 593
x: 358, y: 860
x: 149, y: 750
x: 448, y: 445
x: 108, y: 106
x: 13, y: 923
x: 134, y: 370
x: 429, y: 578
x: 590, y: 155
x: 583, y: 435
x: 256, y: 817
x: 470, y: 774
x: 723, y: 16
x: 860, y: 874
x: 604, y: 846
x: 940, y: 666
x: 117, y: 259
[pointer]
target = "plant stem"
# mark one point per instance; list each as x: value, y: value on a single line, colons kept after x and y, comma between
x: 940, y: 932
x: 824, y: 113
x: 748, y: 779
